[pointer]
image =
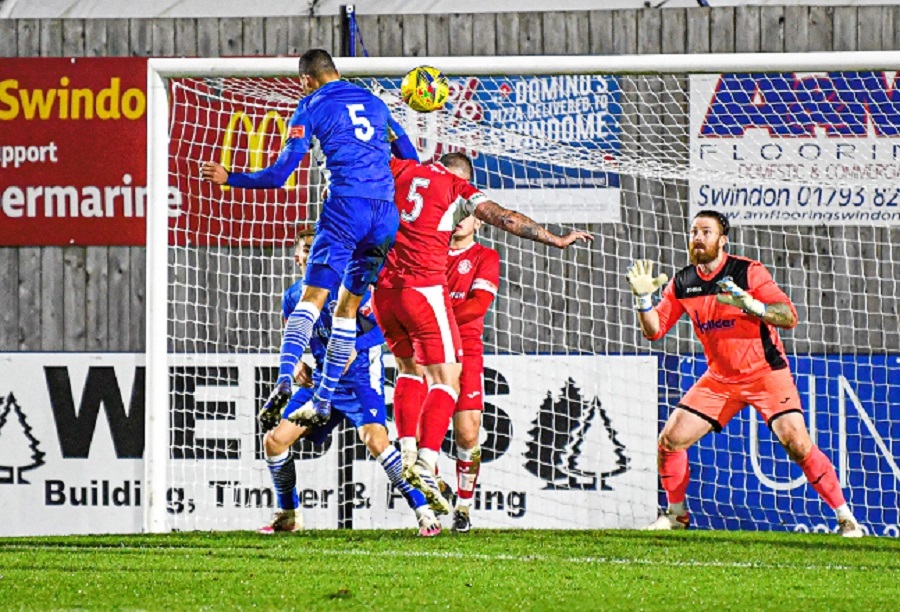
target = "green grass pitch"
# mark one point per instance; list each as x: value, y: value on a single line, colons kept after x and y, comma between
x: 483, y: 569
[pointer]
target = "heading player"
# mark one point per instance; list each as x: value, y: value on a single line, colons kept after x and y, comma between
x: 735, y: 307
x: 413, y: 308
x: 356, y: 133
x: 473, y: 276
x: 359, y: 398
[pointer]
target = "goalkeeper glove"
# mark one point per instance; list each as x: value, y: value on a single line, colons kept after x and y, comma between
x: 643, y: 284
x: 735, y: 296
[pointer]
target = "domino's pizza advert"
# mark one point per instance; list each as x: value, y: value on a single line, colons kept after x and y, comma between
x: 547, y: 145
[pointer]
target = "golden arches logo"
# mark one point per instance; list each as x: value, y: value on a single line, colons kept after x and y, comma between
x: 256, y: 140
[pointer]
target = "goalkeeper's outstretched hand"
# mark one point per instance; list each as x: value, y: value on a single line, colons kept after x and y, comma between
x: 643, y: 283
x: 640, y: 277
x: 737, y: 297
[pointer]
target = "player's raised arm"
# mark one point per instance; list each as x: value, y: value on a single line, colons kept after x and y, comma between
x: 268, y: 178
x: 401, y: 146
x: 643, y: 284
x: 525, y: 227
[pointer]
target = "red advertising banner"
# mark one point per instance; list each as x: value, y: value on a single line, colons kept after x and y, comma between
x: 73, y: 158
x: 236, y: 124
x: 73, y: 150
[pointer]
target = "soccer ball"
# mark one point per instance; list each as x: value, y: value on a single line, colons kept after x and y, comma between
x: 425, y: 89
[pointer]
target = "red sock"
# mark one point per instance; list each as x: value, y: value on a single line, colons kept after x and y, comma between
x: 674, y: 474
x: 821, y: 475
x: 467, y: 472
x: 409, y: 395
x: 436, y: 413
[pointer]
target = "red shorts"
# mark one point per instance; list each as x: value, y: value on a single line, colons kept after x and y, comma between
x: 772, y: 395
x: 471, y: 384
x: 418, y: 322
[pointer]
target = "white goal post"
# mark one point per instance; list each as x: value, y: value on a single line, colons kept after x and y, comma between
x: 802, y: 151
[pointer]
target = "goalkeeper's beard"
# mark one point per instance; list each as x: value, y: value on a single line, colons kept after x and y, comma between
x: 703, y: 255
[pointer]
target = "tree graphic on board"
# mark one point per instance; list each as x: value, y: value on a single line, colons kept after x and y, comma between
x: 555, y: 451
x: 19, y: 449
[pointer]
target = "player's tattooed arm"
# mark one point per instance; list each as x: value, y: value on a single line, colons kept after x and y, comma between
x: 521, y: 225
x: 779, y: 315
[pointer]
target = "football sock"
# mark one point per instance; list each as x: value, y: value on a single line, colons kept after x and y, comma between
x: 340, y: 347
x: 436, y: 414
x: 429, y: 457
x: 409, y: 444
x: 678, y: 509
x: 821, y: 475
x: 674, y: 474
x: 468, y: 464
x: 843, y: 512
x: 284, y: 478
x: 297, y: 332
x: 390, y: 461
x: 409, y: 395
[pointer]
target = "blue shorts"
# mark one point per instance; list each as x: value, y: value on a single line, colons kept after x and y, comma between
x: 353, y: 237
x: 359, y: 396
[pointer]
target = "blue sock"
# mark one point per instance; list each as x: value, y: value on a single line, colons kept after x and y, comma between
x: 393, y: 466
x: 297, y: 332
x: 340, y: 346
x: 284, y: 477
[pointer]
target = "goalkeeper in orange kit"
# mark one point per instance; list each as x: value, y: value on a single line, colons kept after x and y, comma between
x: 735, y: 307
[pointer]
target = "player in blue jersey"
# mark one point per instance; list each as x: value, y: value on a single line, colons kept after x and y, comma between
x: 357, y: 134
x: 358, y: 397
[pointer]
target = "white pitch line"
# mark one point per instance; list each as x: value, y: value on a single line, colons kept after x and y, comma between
x: 586, y: 560
x: 442, y: 554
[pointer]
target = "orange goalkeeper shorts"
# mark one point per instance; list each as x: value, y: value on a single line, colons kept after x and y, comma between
x: 772, y: 395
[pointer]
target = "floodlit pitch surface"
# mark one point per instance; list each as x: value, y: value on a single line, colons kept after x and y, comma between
x: 496, y: 569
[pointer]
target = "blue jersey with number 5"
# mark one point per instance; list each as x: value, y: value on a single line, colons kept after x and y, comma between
x: 354, y: 129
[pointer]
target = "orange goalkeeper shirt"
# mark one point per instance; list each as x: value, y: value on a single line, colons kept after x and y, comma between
x: 738, y: 347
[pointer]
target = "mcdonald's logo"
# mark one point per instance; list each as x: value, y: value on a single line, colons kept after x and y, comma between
x: 256, y: 141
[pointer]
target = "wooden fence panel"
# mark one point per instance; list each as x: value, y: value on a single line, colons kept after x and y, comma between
x: 97, y: 298
x: 9, y: 297
x: 9, y: 38
x: 414, y: 35
x: 51, y: 275
x: 118, y: 35
x: 30, y: 331
x: 118, y: 298
x: 140, y: 32
x: 461, y: 28
x: 276, y: 34
x: 163, y: 37
x: 95, y: 41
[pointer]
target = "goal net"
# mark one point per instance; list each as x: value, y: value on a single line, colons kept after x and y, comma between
x: 802, y: 153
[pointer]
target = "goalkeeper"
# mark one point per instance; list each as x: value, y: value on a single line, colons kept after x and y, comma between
x: 359, y: 398
x: 735, y: 307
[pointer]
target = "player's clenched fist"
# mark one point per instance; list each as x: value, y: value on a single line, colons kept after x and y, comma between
x: 214, y: 172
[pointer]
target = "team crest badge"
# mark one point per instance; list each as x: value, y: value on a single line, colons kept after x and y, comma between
x: 464, y: 267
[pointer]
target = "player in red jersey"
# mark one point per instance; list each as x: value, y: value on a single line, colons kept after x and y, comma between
x: 473, y: 276
x: 735, y: 307
x: 412, y: 304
